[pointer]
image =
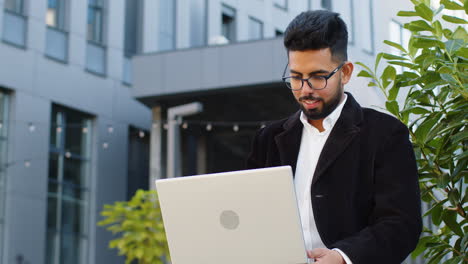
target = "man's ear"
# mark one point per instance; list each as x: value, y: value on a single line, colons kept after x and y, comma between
x: 346, y: 72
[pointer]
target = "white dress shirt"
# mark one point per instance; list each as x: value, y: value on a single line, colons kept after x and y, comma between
x: 312, y: 143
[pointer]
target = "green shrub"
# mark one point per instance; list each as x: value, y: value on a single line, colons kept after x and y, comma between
x: 138, y: 224
x: 434, y: 91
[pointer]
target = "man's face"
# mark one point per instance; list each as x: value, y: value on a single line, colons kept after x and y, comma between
x: 318, y: 104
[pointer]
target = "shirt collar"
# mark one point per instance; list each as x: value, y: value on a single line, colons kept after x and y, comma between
x: 329, y: 121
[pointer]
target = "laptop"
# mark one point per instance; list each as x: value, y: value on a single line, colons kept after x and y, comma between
x: 247, y: 217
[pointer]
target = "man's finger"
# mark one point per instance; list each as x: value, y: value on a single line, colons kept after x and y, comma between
x: 317, y: 253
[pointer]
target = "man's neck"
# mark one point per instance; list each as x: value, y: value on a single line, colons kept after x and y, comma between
x: 318, y: 124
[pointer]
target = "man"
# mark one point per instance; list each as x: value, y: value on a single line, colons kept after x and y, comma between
x: 355, y: 171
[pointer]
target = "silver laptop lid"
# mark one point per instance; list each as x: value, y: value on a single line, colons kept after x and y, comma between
x: 234, y: 217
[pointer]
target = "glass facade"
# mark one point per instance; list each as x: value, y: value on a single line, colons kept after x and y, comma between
x: 95, y: 50
x: 68, y: 187
x: 166, y: 37
x: 55, y: 16
x: 95, y: 21
x: 56, y: 35
x: 198, y: 21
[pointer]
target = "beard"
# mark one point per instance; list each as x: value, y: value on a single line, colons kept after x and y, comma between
x: 328, y: 107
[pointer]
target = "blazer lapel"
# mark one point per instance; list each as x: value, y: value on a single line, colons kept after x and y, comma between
x: 289, y: 141
x: 340, y: 137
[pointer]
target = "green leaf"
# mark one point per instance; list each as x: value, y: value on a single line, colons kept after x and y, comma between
x: 424, y: 11
x: 424, y: 128
x: 450, y: 219
x: 364, y: 73
x: 443, y: 180
x: 377, y: 60
x: 392, y: 107
x: 393, y: 57
x: 460, y: 33
x: 445, y: 70
x: 454, y: 260
x: 422, y: 245
x: 417, y: 110
x: 404, y: 64
x: 453, y: 45
x: 460, y: 136
x: 438, y: 31
x: 419, y: 25
x: 393, y: 92
x: 450, y: 5
x: 454, y: 197
x: 407, y: 13
x: 454, y: 20
x: 465, y: 5
x: 448, y: 78
x: 388, y: 76
x: 395, y: 45
x: 426, y: 42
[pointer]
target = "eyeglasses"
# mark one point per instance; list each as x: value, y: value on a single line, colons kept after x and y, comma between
x: 316, y: 82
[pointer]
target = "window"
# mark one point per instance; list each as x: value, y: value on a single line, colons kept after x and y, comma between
x: 3, y: 160
x: 228, y: 19
x: 132, y: 40
x: 368, y: 27
x: 95, y: 21
x: 281, y: 3
x: 68, y: 187
x: 56, y: 36
x: 95, y: 50
x: 55, y: 16
x: 14, y: 23
x: 255, y: 29
x: 326, y: 4
x: 198, y: 22
x: 167, y: 24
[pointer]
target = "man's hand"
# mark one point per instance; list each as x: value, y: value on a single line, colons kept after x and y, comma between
x: 326, y: 256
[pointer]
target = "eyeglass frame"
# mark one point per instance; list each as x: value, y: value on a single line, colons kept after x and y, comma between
x: 326, y: 77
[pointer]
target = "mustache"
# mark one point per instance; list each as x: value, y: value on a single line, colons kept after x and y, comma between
x: 310, y: 97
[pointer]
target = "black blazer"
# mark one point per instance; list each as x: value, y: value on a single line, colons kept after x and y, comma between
x: 365, y: 191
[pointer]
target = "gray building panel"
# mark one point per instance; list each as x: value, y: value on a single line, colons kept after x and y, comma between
x: 25, y: 233
x: 210, y: 66
x: 182, y: 71
x: 194, y: 70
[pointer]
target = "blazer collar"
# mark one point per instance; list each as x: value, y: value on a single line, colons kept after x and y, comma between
x: 346, y: 127
x: 289, y: 141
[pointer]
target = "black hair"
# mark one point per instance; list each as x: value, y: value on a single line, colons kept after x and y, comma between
x: 318, y: 29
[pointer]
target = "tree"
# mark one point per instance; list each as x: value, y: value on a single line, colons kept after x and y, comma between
x: 434, y: 91
x: 139, y: 225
